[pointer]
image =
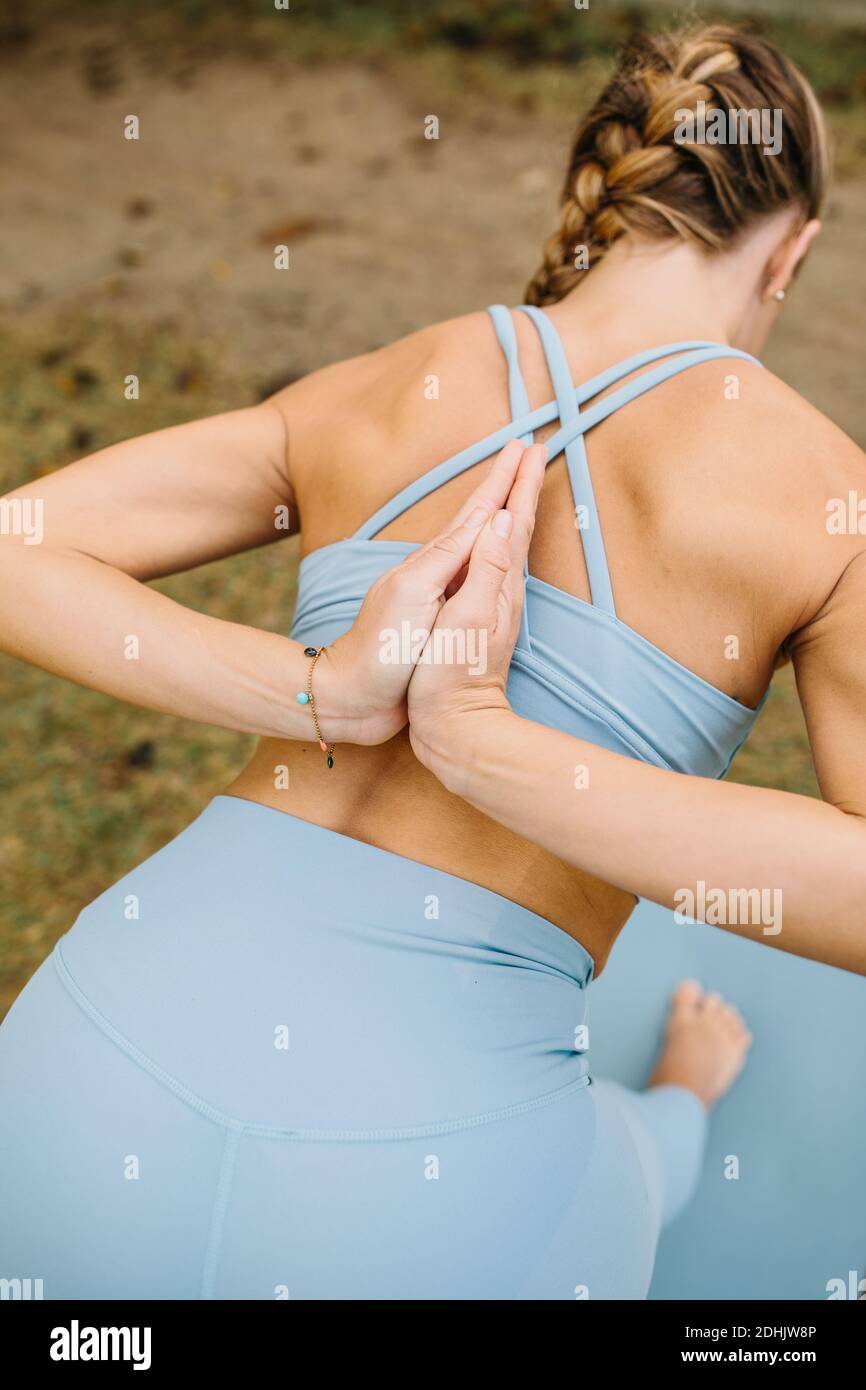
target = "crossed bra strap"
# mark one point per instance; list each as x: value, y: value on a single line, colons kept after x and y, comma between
x: 585, y: 508
x: 574, y: 424
x: 503, y: 323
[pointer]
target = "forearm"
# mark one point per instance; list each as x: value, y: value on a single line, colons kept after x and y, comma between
x: 79, y: 618
x: 661, y: 835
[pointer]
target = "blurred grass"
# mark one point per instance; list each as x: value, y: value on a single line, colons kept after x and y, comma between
x: 89, y: 786
x: 828, y: 39
x: 537, y: 54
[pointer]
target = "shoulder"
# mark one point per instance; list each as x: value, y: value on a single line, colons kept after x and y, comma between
x: 773, y: 412
x: 374, y: 385
x: 775, y: 443
x: 761, y: 481
x: 811, y: 478
x: 367, y: 425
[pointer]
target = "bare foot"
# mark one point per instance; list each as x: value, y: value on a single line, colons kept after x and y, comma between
x: 705, y: 1045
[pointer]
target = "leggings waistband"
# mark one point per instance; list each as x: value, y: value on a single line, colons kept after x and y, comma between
x: 354, y: 861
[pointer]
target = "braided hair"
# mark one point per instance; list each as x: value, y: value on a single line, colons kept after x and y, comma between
x: 630, y: 171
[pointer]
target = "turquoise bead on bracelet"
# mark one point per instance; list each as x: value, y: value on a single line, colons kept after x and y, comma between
x: 305, y: 697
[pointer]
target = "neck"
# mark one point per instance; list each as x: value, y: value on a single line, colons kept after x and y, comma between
x: 656, y: 292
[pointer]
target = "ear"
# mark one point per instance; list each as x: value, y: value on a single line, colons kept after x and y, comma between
x: 783, y: 262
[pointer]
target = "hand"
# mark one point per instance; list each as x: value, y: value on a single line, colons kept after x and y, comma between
x: 361, y: 681
x: 463, y: 670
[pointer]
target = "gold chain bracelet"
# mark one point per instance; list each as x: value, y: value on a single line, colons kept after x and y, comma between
x: 305, y: 697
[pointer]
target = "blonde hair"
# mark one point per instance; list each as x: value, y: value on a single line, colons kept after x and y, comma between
x: 629, y: 173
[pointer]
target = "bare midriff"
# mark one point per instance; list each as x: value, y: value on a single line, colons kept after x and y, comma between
x: 384, y: 797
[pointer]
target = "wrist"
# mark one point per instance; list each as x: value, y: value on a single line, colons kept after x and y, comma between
x: 329, y: 696
x: 343, y: 712
x: 461, y: 747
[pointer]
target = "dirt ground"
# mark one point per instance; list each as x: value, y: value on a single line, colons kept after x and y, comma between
x: 386, y: 230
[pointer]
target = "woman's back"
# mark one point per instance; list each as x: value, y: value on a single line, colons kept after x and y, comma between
x: 712, y: 493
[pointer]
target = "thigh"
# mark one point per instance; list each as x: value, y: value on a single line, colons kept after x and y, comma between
x: 115, y: 1186
x: 107, y: 1178
x: 547, y: 1204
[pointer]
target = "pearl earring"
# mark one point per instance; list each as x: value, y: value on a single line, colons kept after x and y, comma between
x: 780, y: 295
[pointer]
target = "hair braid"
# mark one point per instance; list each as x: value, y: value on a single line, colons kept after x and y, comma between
x: 628, y: 172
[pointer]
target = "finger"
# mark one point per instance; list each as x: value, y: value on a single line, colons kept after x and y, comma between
x: 440, y: 561
x: 491, y: 494
x: 523, y: 499
x: 489, y: 567
x: 454, y: 584
x: 522, y: 503
x: 499, y: 555
x: 429, y: 573
x: 496, y: 483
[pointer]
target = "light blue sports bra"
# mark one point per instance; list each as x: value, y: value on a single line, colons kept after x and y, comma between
x: 576, y: 666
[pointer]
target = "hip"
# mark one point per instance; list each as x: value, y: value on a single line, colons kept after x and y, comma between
x: 287, y: 975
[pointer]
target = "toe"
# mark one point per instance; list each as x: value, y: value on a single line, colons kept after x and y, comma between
x: 738, y: 1023
x: 687, y: 995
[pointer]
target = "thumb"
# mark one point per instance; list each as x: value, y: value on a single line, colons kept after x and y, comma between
x: 439, y: 563
x: 489, y: 566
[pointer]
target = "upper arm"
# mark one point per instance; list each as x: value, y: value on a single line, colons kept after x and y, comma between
x: 183, y: 496
x: 829, y: 656
x: 170, y: 500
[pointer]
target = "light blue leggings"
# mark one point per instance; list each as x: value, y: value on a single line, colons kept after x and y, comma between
x: 275, y: 1062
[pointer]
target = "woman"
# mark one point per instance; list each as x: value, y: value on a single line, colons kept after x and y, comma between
x: 332, y: 1041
